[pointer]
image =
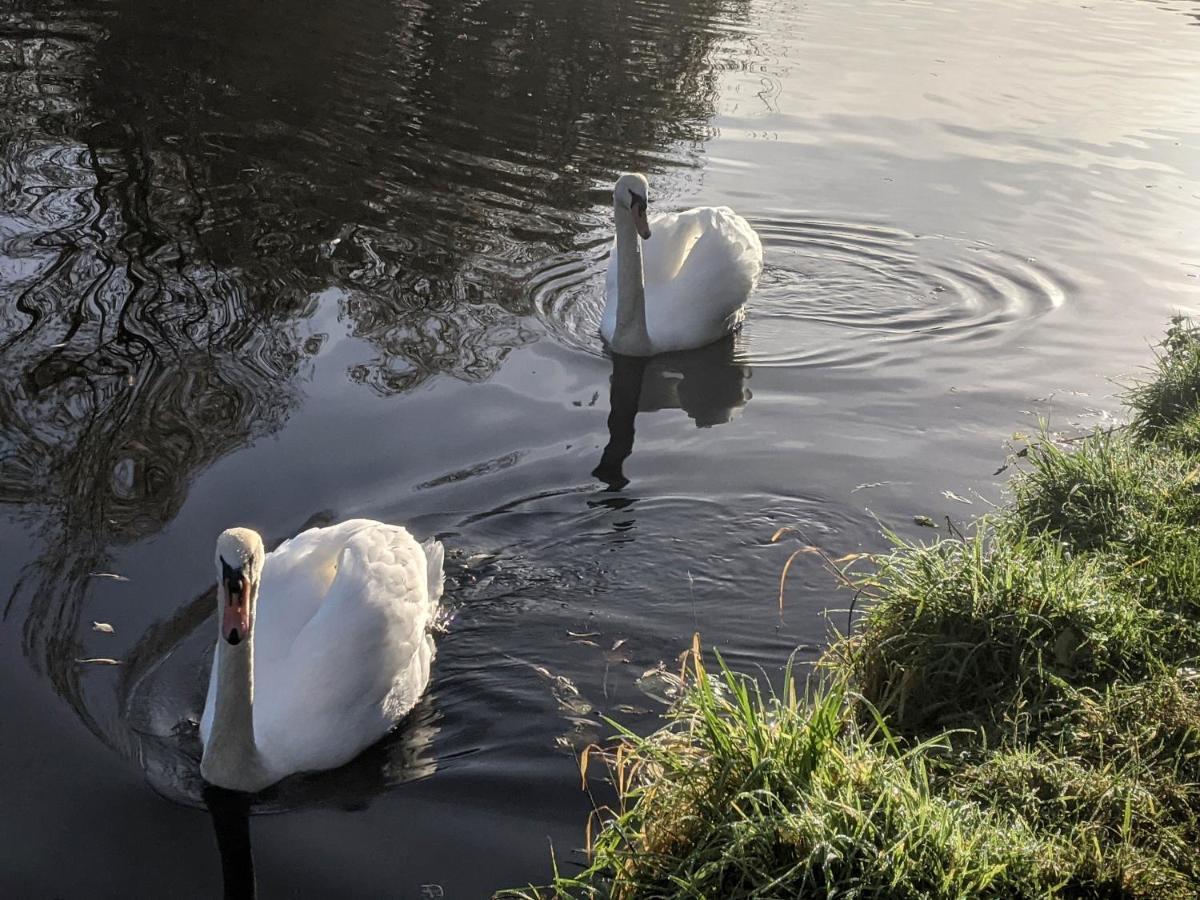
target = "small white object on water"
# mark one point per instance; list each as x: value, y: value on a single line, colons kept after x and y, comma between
x: 100, y: 661
x: 107, y: 575
x: 102, y: 627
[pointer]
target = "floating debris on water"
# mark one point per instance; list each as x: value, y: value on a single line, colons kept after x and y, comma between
x: 568, y: 697
x: 629, y: 709
x: 925, y: 521
x: 109, y: 575
x: 957, y: 498
x: 659, y: 684
x: 866, y: 485
x: 99, y: 661
x: 102, y: 627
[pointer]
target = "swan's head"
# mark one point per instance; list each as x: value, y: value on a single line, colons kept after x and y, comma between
x: 239, y: 567
x: 631, y: 194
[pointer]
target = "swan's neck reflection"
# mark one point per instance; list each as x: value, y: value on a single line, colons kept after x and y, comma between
x: 624, y: 394
x: 230, y: 812
x: 709, y: 384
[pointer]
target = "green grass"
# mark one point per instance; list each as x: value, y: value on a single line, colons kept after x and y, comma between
x: 746, y: 796
x: 1017, y: 714
x: 991, y: 633
x: 1169, y: 399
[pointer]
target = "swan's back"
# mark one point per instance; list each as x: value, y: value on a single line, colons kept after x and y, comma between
x: 699, y: 268
x: 343, y: 623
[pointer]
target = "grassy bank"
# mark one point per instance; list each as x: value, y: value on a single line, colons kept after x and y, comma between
x: 1016, y: 715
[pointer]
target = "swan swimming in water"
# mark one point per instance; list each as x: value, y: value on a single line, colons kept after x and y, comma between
x: 685, y: 288
x: 322, y: 646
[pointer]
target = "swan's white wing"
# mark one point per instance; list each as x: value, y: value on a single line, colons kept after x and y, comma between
x: 359, y: 663
x: 703, y: 298
x: 296, y: 578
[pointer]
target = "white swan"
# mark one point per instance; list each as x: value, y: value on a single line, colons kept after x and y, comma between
x: 686, y: 288
x: 322, y: 645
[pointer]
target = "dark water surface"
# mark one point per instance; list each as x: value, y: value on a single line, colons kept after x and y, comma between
x: 287, y: 263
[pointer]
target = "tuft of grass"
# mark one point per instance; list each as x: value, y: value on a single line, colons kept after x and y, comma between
x: 1133, y: 507
x: 1106, y: 492
x: 1172, y: 395
x: 987, y: 633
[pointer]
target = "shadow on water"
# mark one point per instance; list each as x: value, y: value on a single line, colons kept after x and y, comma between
x: 184, y: 185
x: 709, y: 384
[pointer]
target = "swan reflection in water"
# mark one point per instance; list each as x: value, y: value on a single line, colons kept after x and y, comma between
x: 709, y: 384
x: 401, y: 757
x: 230, y: 813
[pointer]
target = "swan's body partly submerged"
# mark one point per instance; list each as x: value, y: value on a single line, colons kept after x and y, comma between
x: 335, y: 654
x: 685, y: 288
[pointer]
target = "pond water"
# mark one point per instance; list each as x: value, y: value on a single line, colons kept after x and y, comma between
x: 287, y: 263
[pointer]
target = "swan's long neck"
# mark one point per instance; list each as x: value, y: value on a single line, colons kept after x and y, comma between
x: 231, y: 758
x: 630, y: 336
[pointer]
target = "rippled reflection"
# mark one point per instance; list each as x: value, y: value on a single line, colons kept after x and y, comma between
x: 184, y: 187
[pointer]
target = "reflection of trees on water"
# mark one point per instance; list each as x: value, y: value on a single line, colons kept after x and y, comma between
x: 127, y: 367
x: 177, y: 183
x: 430, y: 151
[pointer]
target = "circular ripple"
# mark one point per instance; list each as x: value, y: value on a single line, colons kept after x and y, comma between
x: 827, y: 282
x: 835, y: 280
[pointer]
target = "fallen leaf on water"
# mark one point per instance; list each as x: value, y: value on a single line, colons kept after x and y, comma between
x: 100, y: 661
x: 925, y: 521
x: 630, y: 710
x: 102, y: 627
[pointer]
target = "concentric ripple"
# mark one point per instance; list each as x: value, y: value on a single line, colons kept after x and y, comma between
x: 568, y: 295
x: 825, y: 282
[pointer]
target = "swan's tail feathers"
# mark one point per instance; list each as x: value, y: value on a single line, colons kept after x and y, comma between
x: 435, y: 555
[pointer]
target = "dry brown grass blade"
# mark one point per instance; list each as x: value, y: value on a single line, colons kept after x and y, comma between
x: 837, y: 567
x: 787, y: 565
x: 583, y: 766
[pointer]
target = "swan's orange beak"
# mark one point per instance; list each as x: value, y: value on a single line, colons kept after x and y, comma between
x: 235, y: 617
